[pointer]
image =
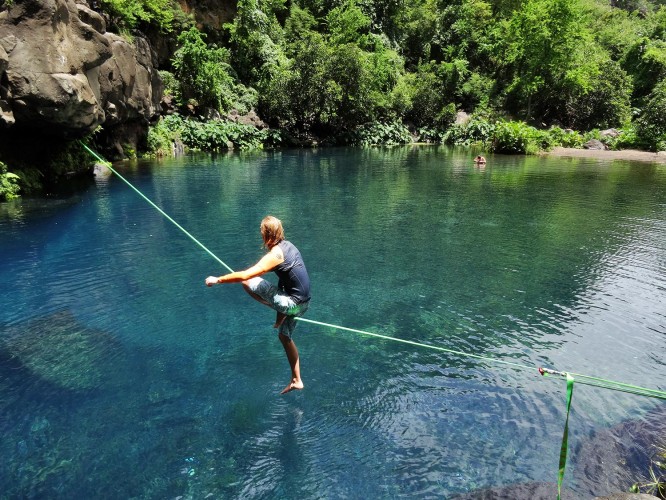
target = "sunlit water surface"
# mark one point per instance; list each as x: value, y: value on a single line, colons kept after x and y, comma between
x: 122, y: 375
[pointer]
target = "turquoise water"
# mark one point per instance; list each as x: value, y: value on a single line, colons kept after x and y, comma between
x: 122, y: 375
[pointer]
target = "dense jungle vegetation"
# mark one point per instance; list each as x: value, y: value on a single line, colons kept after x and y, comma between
x: 369, y: 71
x: 532, y: 74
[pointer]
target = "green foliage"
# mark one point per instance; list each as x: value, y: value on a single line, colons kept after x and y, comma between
x: 426, y: 100
x: 647, y: 61
x: 656, y: 484
x: 299, y: 24
x: 347, y: 24
x: 605, y: 103
x: 206, y: 77
x: 385, y: 68
x: 328, y: 89
x: 627, y: 139
x: 564, y: 138
x: 126, y: 15
x: 651, y: 126
x: 414, y: 29
x: 349, y: 86
x: 447, y: 116
x: 255, y: 40
x: 475, y: 131
x: 389, y: 134
x: 432, y: 95
x: 129, y: 151
x: 401, y: 96
x: 431, y: 135
x: 211, y: 136
x: 551, y: 53
x: 9, y: 184
x: 508, y: 137
x: 161, y: 137
x: 517, y: 138
x: 171, y: 86
x: 295, y: 97
x: 220, y: 136
x: 615, y: 30
x: 325, y: 69
x: 464, y: 33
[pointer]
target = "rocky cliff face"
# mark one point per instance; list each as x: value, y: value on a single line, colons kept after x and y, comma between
x: 62, y: 75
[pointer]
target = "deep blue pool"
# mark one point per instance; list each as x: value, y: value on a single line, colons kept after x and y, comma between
x: 123, y: 376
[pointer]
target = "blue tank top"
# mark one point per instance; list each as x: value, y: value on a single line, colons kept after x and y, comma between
x: 293, y: 276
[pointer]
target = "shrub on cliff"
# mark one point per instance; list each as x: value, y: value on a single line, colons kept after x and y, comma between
x: 126, y: 15
x: 204, y: 75
x: 161, y: 137
x: 9, y: 187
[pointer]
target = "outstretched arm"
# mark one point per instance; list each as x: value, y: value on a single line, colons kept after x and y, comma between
x: 267, y: 263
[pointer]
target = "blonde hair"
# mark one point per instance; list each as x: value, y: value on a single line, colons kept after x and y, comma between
x: 271, y: 231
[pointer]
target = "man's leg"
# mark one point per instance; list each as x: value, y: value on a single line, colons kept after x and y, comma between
x: 280, y: 317
x: 292, y: 356
x: 256, y: 297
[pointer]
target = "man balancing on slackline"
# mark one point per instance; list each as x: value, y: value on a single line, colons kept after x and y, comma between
x: 290, y: 298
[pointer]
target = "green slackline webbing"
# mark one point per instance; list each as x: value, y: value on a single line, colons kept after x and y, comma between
x: 565, y: 437
x: 108, y: 165
x: 608, y: 384
x: 587, y: 380
x: 437, y: 348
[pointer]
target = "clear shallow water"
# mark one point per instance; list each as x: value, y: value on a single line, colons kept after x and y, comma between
x: 122, y: 375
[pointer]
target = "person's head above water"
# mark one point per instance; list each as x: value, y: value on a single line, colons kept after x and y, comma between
x: 271, y: 231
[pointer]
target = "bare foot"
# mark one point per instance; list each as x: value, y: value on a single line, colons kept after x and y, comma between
x: 294, y: 385
x: 279, y: 319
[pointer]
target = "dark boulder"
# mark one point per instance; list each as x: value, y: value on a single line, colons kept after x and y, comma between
x: 49, y: 76
x: 62, y: 73
x: 595, y: 144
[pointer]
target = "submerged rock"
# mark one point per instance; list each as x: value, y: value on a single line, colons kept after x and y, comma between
x: 610, y: 461
x: 627, y: 496
x: 59, y: 350
x: 620, y: 456
x: 523, y: 491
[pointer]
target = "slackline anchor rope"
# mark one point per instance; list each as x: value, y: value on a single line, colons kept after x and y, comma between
x: 582, y: 379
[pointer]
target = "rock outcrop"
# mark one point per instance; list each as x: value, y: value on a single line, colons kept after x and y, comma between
x: 61, y: 73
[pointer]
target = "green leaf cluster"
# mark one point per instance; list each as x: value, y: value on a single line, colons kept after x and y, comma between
x: 212, y: 136
x: 9, y: 184
x: 373, y: 134
x: 127, y: 15
x: 651, y: 126
x: 203, y: 71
